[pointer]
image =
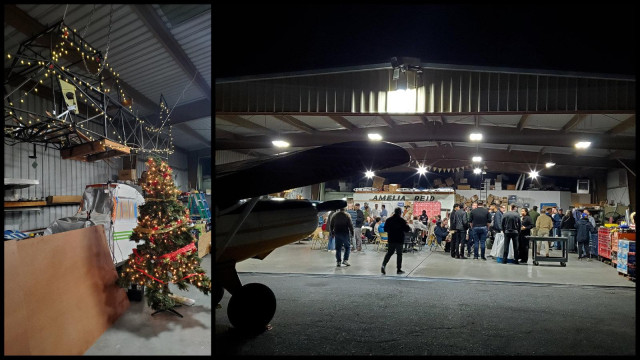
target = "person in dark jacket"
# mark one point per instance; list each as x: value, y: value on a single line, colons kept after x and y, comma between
x: 342, y: 229
x: 511, y: 226
x: 395, y: 227
x: 358, y: 227
x: 480, y: 220
x: 584, y: 229
x: 460, y: 224
x: 526, y: 224
x: 440, y: 232
x: 568, y: 229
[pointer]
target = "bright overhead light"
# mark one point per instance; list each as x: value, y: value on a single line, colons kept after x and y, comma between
x: 375, y: 137
x: 477, y: 171
x: 369, y: 174
x: 549, y: 164
x: 583, y: 144
x: 533, y: 174
x: 280, y: 143
x: 476, y: 158
x: 422, y: 170
x: 475, y: 136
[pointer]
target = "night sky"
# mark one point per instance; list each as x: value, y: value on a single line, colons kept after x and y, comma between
x: 264, y: 39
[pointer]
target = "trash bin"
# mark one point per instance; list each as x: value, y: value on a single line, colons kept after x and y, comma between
x: 571, y: 235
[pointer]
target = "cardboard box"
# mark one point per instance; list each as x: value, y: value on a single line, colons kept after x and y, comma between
x: 393, y: 187
x: 54, y: 307
x: 204, y: 244
x: 128, y: 175
x: 385, y: 188
x: 378, y: 182
x: 129, y: 162
x: 464, y: 180
x: 464, y: 187
x: 437, y: 182
x: 64, y: 199
x: 511, y: 186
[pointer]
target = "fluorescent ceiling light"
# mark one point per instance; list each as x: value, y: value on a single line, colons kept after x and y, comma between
x: 475, y: 137
x: 369, y: 174
x: 375, y: 137
x: 477, y: 171
x: 280, y: 143
x: 549, y: 164
x: 476, y: 158
x: 533, y: 174
x: 583, y: 144
x: 422, y: 170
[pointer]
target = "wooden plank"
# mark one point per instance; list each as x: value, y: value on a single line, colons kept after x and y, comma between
x: 18, y: 204
x: 82, y: 150
x: 104, y: 155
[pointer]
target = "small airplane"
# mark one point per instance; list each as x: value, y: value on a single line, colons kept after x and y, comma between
x: 250, y: 227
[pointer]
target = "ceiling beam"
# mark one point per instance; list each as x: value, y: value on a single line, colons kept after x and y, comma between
x: 623, y: 125
x: 154, y: 23
x: 195, y: 135
x: 29, y: 26
x: 226, y: 134
x: 388, y: 120
x: 424, y: 119
x: 344, y: 122
x: 509, y: 148
x: 191, y: 111
x: 237, y: 120
x: 288, y: 119
x: 575, y: 120
x: 523, y: 121
x: 446, y: 133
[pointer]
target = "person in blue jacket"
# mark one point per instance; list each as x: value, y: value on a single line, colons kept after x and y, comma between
x: 584, y: 229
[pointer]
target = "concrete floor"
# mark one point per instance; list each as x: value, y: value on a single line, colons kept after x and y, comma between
x: 136, y: 332
x: 300, y: 259
x: 441, y: 306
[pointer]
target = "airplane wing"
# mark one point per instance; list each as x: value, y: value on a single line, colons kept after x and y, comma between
x: 265, y: 176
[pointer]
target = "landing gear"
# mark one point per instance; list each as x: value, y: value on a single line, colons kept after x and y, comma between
x: 251, y: 308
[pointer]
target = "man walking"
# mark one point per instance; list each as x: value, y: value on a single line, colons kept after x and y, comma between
x: 511, y: 225
x: 480, y: 220
x: 358, y: 227
x: 395, y: 227
x: 460, y: 224
x: 342, y: 229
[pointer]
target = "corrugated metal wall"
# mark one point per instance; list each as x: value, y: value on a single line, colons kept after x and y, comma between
x: 227, y: 156
x: 56, y: 177
x: 441, y: 91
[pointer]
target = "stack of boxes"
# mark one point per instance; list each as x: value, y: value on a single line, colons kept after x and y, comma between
x: 626, y: 254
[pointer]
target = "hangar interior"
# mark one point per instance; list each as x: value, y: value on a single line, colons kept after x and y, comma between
x: 91, y: 93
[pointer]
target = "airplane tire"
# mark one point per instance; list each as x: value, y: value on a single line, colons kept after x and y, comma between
x: 218, y: 292
x: 251, y: 308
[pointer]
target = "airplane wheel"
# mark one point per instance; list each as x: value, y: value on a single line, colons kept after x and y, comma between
x: 252, y: 307
x: 218, y: 292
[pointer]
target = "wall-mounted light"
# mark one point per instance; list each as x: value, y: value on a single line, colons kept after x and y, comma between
x: 533, y: 174
x: 550, y: 164
x: 422, y: 170
x: 582, y: 144
x: 280, y: 143
x: 477, y: 171
x: 476, y: 158
x: 475, y: 137
x: 375, y: 137
x: 369, y: 174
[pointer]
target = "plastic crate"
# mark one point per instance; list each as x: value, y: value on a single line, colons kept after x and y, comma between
x: 632, y: 246
x: 622, y: 268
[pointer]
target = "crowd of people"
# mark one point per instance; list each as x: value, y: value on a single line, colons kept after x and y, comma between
x: 470, y: 229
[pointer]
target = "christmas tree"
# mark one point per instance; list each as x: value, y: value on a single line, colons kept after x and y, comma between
x: 167, y: 253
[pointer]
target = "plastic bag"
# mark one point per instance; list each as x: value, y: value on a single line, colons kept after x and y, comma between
x: 498, y: 248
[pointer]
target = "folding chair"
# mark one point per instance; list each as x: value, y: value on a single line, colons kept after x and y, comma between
x: 380, y: 243
x: 416, y: 238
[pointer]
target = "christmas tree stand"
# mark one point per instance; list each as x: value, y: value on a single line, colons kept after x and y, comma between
x: 170, y: 310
